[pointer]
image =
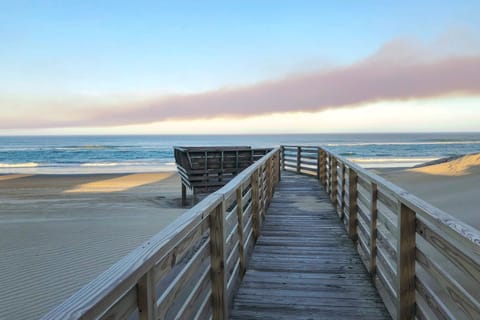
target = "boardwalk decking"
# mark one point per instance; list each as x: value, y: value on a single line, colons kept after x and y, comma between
x: 304, y: 266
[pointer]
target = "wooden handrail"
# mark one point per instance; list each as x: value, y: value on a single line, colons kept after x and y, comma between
x: 424, y: 262
x: 192, y: 268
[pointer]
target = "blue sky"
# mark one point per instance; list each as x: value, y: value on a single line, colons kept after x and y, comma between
x: 66, y: 49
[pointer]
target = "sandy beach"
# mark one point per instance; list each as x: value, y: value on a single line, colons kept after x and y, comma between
x: 58, y: 232
x: 452, y: 186
x: 61, y: 231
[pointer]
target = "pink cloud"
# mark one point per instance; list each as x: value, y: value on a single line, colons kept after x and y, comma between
x: 396, y: 72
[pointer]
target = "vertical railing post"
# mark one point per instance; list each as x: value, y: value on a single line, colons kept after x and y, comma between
x: 268, y: 176
x: 318, y: 163
x: 342, y: 206
x: 406, y: 263
x: 261, y: 194
x: 278, y: 168
x: 328, y: 182
x: 373, y: 231
x: 333, y: 172
x: 299, y: 157
x: 352, y: 204
x: 146, y: 296
x: 255, y: 205
x: 282, y: 150
x: 323, y: 168
x: 241, y: 250
x: 217, y: 262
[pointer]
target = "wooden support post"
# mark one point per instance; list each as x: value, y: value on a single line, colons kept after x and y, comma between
x: 283, y: 157
x: 269, y: 181
x: 261, y: 194
x: 406, y: 263
x: 299, y: 157
x: 342, y: 207
x: 278, y: 168
x: 146, y: 297
x: 184, y: 195
x: 373, y: 231
x: 318, y: 164
x: 241, y: 250
x: 255, y: 205
x: 329, y: 174
x: 217, y: 261
x: 352, y: 204
x: 333, y: 186
x: 323, y: 168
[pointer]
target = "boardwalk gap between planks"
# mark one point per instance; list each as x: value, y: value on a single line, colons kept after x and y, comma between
x: 304, y: 265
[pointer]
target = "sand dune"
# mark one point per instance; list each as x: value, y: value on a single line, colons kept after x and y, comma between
x: 469, y: 164
x: 453, y: 186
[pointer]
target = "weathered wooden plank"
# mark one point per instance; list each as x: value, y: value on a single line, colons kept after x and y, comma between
x: 124, y: 307
x: 205, y: 310
x: 373, y: 230
x: 218, y: 274
x: 389, y: 268
x: 387, y: 243
x: 179, y: 251
x: 147, y: 298
x: 406, y: 263
x: 458, y: 258
x: 256, y: 205
x: 352, y: 204
x: 387, y: 298
x: 333, y: 190
x: 299, y: 155
x: 307, y: 265
x: 174, y: 289
x: 194, y: 302
x: 469, y: 306
x: 387, y: 200
x: 384, y: 219
x: 433, y: 301
x: 241, y: 252
x: 364, y: 214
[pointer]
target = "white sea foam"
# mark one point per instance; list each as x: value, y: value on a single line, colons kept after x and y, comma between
x: 392, y: 160
x: 19, y: 165
x: 349, y: 144
x: 99, y: 164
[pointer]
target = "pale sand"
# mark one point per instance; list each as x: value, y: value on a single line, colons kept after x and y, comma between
x: 453, y: 186
x: 58, y: 232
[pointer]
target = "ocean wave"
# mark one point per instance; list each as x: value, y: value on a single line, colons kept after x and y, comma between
x: 396, y: 160
x: 100, y: 164
x: 349, y: 144
x: 19, y: 165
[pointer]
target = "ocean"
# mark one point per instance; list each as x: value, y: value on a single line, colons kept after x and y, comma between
x: 145, y: 153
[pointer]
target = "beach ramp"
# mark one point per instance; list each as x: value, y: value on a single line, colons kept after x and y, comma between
x: 304, y: 265
x: 301, y: 233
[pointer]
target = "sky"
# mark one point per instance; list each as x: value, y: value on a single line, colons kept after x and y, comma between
x: 140, y: 67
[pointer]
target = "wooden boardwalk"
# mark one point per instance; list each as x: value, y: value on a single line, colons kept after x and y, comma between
x: 304, y: 266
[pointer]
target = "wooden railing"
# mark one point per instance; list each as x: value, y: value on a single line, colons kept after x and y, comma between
x: 424, y: 262
x: 191, y: 269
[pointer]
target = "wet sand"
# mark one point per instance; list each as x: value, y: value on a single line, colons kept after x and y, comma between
x: 58, y: 232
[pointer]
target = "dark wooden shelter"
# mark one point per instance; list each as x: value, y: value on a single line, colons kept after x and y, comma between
x: 206, y: 169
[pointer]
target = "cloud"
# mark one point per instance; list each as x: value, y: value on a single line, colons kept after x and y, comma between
x: 399, y: 70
